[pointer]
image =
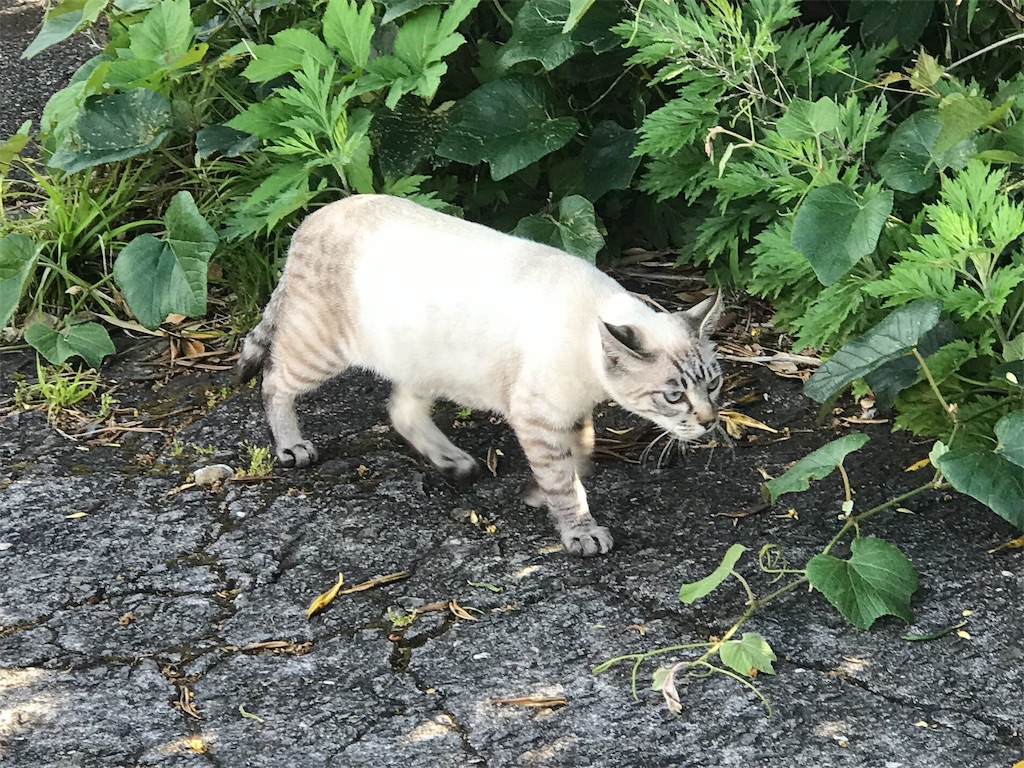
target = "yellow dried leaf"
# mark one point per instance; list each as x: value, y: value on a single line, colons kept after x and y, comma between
x: 324, y: 599
x: 966, y: 612
x: 375, y: 582
x: 76, y: 515
x: 196, y: 745
x: 963, y: 634
x: 918, y: 465
x: 460, y: 612
x: 174, y: 318
x: 735, y: 417
x: 640, y: 629
x: 1017, y: 543
x: 1019, y: 764
x: 620, y: 432
x: 493, y: 454
x: 535, y: 701
x: 125, y: 619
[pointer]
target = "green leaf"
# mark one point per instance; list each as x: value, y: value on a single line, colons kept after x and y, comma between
x: 834, y: 229
x: 690, y: 593
x: 805, y: 119
x: 62, y: 21
x: 348, y: 29
x: 813, y: 466
x: 90, y: 341
x: 1010, y: 433
x: 577, y: 9
x: 159, y: 277
x: 992, y: 479
x: 537, y: 35
x: 507, y: 124
x: 18, y: 256
x: 164, y: 34
x: 877, y: 580
x: 891, y: 338
x: 574, y: 231
x: 290, y: 49
x: 886, y: 20
x: 749, y: 655
x: 961, y: 117
x: 114, y: 127
x: 608, y: 161
x: 396, y: 9
x: 911, y: 162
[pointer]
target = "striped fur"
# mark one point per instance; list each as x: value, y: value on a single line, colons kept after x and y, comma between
x: 444, y: 308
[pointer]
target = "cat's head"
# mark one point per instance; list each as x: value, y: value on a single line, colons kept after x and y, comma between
x: 662, y: 366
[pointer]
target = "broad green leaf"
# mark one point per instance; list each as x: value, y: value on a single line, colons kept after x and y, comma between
x: 407, y: 135
x: 62, y: 21
x: 538, y: 35
x: 877, y: 580
x: 911, y: 163
x: 222, y: 140
x: 348, y: 29
x: 507, y: 124
x: 577, y: 9
x: 835, y: 229
x: 988, y: 477
x: 291, y: 47
x: 895, y: 336
x: 1010, y: 433
x: 90, y: 341
x: 608, y: 161
x: 164, y: 34
x: 574, y: 231
x: 114, y: 127
x: 11, y: 147
x: 961, y: 117
x: 690, y: 593
x: 18, y: 256
x: 806, y: 119
x: 813, y: 466
x: 891, y: 378
x: 886, y: 20
x: 159, y: 277
x: 749, y: 655
x: 396, y: 9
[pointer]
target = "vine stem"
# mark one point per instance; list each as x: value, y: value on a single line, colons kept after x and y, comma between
x: 933, y: 484
x: 950, y: 411
x: 986, y: 49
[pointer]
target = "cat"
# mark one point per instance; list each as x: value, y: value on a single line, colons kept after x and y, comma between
x: 442, y: 307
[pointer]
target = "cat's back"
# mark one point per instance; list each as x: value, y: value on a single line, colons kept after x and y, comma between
x: 380, y: 239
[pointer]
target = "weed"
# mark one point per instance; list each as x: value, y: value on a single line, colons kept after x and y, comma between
x: 400, y: 619
x: 56, y: 388
x: 261, y: 460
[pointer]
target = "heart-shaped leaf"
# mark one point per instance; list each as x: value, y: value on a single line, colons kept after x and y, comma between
x: 574, y: 231
x: 159, y: 277
x: 877, y: 580
x: 506, y: 124
x: 835, y: 228
x: 749, y: 655
x: 1010, y: 432
x: 90, y: 341
x: 995, y: 481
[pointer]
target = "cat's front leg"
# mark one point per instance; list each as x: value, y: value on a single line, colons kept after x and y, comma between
x: 550, y: 451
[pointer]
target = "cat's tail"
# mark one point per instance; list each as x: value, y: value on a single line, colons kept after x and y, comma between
x: 256, y: 346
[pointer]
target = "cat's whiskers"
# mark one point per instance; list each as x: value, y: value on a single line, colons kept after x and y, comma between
x: 667, y: 450
x: 646, y: 453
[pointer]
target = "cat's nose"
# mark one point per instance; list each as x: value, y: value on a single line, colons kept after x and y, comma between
x: 708, y: 418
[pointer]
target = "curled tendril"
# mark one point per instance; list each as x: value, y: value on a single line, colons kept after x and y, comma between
x: 771, y: 559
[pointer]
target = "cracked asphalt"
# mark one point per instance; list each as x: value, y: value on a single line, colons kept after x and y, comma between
x: 147, y: 624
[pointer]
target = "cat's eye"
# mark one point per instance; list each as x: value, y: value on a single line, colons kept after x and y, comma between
x: 674, y: 396
x: 714, y: 384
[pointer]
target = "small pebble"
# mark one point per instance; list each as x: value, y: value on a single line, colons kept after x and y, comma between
x: 212, y: 474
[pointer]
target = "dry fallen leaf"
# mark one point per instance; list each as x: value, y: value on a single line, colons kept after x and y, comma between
x: 125, y: 619
x: 535, y: 701
x: 186, y: 703
x: 196, y: 744
x: 376, y: 581
x: 324, y: 599
x: 640, y: 629
x: 493, y: 454
x: 76, y: 515
x: 460, y: 612
x: 1017, y: 543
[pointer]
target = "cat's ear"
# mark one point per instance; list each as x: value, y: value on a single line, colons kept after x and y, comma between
x: 620, y: 340
x: 705, y: 316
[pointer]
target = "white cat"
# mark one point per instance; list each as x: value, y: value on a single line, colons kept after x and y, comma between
x: 441, y: 307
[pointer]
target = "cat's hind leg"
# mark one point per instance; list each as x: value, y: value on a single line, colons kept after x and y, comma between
x: 410, y: 415
x: 283, y: 381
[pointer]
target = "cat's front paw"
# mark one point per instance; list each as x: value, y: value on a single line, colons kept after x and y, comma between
x: 300, y: 455
x: 587, y: 540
